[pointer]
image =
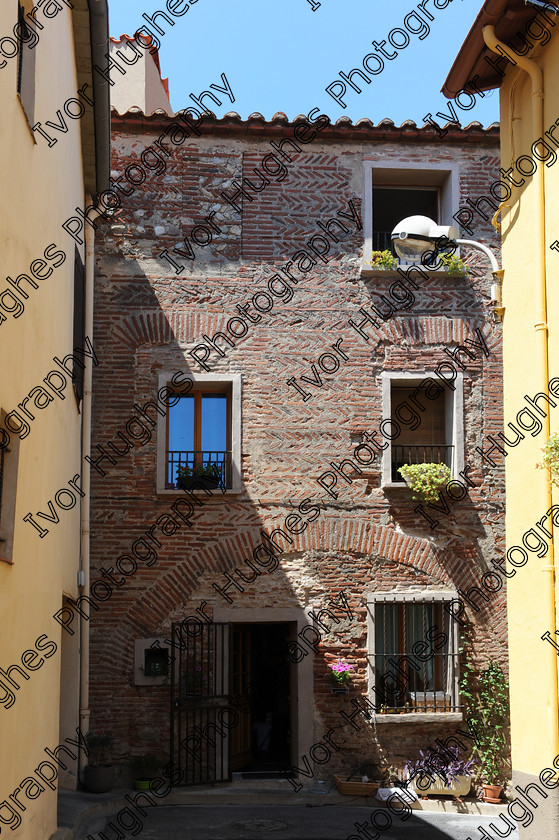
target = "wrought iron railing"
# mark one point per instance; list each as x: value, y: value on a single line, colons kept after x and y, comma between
x: 382, y: 241
x: 420, y: 454
x: 202, y: 466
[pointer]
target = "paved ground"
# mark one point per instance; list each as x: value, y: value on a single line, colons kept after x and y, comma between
x: 288, y: 822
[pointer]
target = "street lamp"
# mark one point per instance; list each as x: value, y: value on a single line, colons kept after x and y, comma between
x: 415, y: 236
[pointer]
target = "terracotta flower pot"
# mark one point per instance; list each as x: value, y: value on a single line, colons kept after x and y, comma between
x: 492, y: 793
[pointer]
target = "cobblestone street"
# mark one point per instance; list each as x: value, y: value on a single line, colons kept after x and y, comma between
x: 237, y: 822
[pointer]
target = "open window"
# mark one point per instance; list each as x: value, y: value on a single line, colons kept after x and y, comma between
x: 201, y: 436
x: 395, y: 191
x: 425, y: 424
x: 413, y: 653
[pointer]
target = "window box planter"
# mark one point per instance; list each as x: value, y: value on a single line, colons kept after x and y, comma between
x: 189, y: 482
x: 435, y: 786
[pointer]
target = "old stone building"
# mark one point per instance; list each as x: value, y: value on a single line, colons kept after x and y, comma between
x: 242, y: 332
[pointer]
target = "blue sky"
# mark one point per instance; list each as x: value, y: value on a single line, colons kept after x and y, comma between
x: 282, y: 56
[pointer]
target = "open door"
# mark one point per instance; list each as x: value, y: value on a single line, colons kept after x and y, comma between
x: 261, y: 685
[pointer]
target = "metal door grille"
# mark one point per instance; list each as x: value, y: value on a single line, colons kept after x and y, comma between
x: 200, y: 712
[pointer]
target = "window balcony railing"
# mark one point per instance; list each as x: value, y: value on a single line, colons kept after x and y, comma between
x: 219, y: 463
x: 420, y: 454
x: 425, y: 687
x: 382, y: 241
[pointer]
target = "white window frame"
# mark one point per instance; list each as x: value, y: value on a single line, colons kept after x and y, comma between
x: 400, y: 597
x: 235, y: 381
x: 454, y: 413
x: 448, y: 175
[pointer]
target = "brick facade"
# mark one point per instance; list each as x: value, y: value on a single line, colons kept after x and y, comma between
x: 149, y: 318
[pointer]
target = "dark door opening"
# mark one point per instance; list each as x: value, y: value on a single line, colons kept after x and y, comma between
x: 261, y: 675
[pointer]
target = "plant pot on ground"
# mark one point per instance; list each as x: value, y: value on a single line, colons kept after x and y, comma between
x: 488, y: 716
x: 443, y: 772
x: 144, y: 769
x: 99, y: 773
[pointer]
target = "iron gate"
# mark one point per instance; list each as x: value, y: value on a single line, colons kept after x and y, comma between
x: 200, y: 710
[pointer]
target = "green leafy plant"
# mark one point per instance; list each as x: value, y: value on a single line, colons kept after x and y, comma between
x: 487, y: 712
x: 453, y: 264
x: 425, y: 480
x: 340, y: 672
x: 98, y: 747
x: 550, y: 458
x: 383, y: 259
x: 199, y: 471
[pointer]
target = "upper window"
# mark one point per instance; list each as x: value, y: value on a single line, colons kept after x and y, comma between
x: 389, y: 202
x: 26, y: 64
x: 395, y: 191
x: 426, y: 423
x: 413, y: 661
x: 199, y: 436
x: 202, y: 435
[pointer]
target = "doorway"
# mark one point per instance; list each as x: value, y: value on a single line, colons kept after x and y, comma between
x: 261, y: 679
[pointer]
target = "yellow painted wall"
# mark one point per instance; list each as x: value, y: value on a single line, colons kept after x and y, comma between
x: 41, y: 186
x: 532, y: 660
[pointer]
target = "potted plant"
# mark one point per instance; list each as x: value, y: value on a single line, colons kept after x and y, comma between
x: 144, y: 769
x: 339, y: 673
x: 550, y: 458
x: 488, y: 716
x: 453, y: 265
x: 440, y: 772
x: 425, y: 480
x: 99, y: 772
x: 202, y: 475
x: 385, y: 260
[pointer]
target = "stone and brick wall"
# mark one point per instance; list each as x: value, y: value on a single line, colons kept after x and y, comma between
x: 149, y: 317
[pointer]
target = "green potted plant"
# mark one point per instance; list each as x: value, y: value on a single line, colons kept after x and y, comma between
x: 385, y: 260
x: 340, y: 676
x: 453, y: 265
x: 99, y: 773
x: 144, y: 769
x: 201, y: 475
x: 425, y: 480
x: 550, y: 458
x: 488, y: 716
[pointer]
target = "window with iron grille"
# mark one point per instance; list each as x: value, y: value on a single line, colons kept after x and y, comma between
x: 426, y: 423
x: 26, y: 65
x: 413, y: 654
x: 202, y: 436
x: 9, y: 456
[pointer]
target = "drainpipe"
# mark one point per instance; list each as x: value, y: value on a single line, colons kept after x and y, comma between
x: 550, y: 610
x: 85, y: 484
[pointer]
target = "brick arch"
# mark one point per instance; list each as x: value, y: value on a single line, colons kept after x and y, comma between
x: 330, y: 534
x: 158, y: 327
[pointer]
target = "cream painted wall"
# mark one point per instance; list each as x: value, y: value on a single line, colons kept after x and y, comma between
x: 530, y: 665
x: 41, y: 187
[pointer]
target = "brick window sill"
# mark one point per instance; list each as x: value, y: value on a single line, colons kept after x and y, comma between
x: 392, y: 273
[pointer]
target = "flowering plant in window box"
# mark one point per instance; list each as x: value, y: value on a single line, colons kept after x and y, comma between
x: 384, y: 260
x: 550, y: 458
x: 340, y: 676
x: 425, y: 480
x: 206, y: 475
